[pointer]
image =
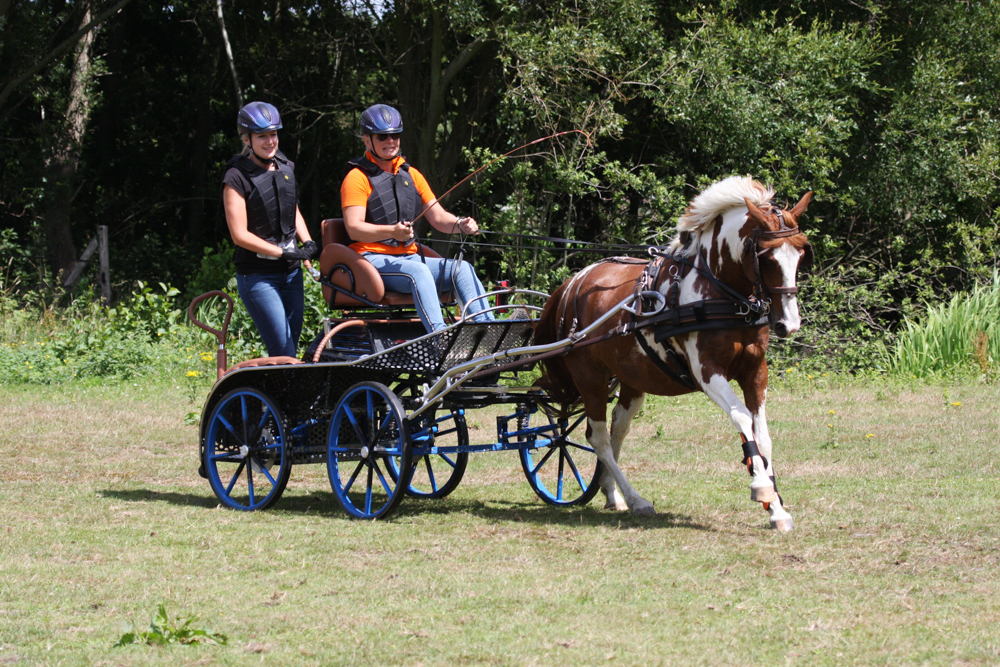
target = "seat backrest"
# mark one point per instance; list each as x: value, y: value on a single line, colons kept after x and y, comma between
x: 334, y: 231
x: 367, y: 281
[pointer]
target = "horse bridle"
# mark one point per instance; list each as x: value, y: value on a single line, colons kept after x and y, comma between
x: 751, y: 246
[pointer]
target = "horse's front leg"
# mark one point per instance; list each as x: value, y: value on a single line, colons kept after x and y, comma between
x: 718, y: 389
x: 628, y: 405
x: 780, y: 518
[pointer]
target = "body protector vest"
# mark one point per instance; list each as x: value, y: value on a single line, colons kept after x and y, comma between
x: 271, y: 206
x: 394, y: 197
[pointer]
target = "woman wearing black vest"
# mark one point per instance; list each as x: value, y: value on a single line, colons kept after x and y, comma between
x: 262, y: 212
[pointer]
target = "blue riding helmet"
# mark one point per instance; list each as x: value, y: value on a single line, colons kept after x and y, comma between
x: 381, y: 119
x: 258, y: 117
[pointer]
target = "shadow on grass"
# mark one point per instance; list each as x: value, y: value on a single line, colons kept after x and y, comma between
x: 151, y: 496
x: 326, y: 505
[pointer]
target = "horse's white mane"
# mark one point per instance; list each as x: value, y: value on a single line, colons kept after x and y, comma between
x: 715, y: 200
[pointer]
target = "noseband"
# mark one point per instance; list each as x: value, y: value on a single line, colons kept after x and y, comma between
x: 751, y: 246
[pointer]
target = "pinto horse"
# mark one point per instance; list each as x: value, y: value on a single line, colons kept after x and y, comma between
x: 728, y: 276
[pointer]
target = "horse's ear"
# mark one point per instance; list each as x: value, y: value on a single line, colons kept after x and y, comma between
x: 800, y: 208
x: 755, y: 213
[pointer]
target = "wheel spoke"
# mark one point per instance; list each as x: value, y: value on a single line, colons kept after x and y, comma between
x: 543, y: 460
x: 266, y: 473
x: 260, y: 426
x: 229, y: 427
x: 572, y: 466
x: 236, y: 476
x: 577, y: 445
x: 368, y: 492
x: 370, y: 402
x: 354, y: 423
x: 559, y: 479
x: 430, y: 473
x: 354, y: 476
x: 250, y: 484
x: 243, y: 408
x: 381, y: 477
x: 386, y: 422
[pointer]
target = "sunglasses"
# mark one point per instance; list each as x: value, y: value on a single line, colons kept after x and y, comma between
x: 386, y: 137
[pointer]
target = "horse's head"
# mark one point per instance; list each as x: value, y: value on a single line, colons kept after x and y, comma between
x: 774, y: 250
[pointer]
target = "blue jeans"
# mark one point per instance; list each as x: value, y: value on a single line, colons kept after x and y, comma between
x: 275, y: 302
x: 409, y: 274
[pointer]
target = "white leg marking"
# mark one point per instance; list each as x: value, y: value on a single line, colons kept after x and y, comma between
x: 780, y: 518
x: 718, y: 389
x: 621, y: 420
x: 601, y: 443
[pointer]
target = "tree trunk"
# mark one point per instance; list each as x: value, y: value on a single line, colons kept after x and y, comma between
x: 61, y: 165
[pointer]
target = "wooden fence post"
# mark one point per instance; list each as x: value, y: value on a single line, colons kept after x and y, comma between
x: 104, y: 277
x: 81, y: 264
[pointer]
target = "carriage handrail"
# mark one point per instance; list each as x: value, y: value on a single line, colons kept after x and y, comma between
x: 505, y: 306
x: 220, y: 356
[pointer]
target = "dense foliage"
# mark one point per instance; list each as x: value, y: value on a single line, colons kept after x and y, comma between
x: 885, y: 108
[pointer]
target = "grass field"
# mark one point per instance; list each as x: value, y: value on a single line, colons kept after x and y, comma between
x: 894, y: 560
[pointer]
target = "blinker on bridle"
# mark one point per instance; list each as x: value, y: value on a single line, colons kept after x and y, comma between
x: 751, y: 245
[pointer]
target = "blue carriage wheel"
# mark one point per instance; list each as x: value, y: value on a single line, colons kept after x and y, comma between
x: 367, y: 429
x: 246, y: 453
x: 567, y: 471
x: 436, y: 475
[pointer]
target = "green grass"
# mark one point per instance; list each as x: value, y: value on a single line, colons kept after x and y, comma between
x: 894, y: 560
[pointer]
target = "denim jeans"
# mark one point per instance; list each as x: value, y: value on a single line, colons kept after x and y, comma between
x: 275, y: 302
x: 411, y: 275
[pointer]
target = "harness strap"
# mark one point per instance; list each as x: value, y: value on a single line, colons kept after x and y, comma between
x: 681, y: 377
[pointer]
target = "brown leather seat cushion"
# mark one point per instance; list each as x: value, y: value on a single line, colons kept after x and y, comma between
x: 265, y: 361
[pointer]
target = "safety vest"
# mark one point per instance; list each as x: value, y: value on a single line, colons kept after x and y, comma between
x: 271, y: 206
x: 394, y: 197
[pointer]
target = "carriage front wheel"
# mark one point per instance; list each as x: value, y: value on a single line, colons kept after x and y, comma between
x: 246, y: 454
x: 367, y: 429
x: 566, y: 471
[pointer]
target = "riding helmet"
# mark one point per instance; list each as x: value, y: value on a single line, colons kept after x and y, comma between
x: 258, y: 117
x: 381, y: 119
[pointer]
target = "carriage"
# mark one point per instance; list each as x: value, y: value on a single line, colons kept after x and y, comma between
x: 383, y: 404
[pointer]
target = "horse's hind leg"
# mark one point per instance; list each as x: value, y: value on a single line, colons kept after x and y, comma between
x: 596, y: 406
x: 628, y: 405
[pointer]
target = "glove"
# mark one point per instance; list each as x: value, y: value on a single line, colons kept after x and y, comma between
x: 296, y: 253
x: 312, y: 248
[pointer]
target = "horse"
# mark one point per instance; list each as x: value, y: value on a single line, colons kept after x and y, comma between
x: 727, y: 278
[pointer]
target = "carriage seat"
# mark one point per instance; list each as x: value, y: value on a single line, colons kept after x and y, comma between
x: 367, y: 281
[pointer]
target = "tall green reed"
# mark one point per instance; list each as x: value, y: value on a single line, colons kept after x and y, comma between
x: 963, y: 333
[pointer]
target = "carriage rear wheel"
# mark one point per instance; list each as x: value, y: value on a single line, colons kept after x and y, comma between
x: 368, y: 428
x: 246, y: 453
x: 437, y: 475
x: 566, y: 471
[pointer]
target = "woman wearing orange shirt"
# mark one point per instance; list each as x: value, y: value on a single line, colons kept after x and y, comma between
x: 380, y: 197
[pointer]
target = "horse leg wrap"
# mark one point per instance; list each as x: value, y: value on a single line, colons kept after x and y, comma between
x: 749, y: 451
x: 761, y: 488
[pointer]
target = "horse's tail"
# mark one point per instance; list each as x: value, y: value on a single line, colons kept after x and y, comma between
x: 557, y: 381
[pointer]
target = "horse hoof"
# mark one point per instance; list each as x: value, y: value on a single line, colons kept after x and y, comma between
x: 643, y: 511
x: 763, y: 493
x: 784, y: 525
